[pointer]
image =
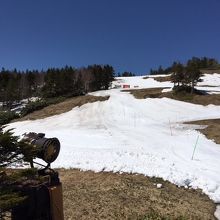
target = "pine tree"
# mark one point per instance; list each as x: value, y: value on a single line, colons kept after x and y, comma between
x: 186, y: 78
x: 13, y: 151
x: 108, y: 76
x: 193, y: 73
x: 177, y: 76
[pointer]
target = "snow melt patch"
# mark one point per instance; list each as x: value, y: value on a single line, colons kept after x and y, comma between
x: 159, y: 185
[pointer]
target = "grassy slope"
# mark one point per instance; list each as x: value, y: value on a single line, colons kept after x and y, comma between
x: 63, y: 107
x: 89, y: 195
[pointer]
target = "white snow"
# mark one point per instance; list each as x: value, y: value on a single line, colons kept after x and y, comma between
x: 159, y: 185
x: 210, y: 79
x: 217, y: 212
x: 210, y: 83
x: 141, y: 82
x: 137, y: 135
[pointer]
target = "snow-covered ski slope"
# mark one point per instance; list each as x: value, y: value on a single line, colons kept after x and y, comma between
x: 138, y: 135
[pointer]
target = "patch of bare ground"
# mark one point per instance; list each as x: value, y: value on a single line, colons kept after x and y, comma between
x: 210, y: 71
x: 160, y: 78
x: 212, y: 131
x: 106, y: 195
x: 201, y: 99
x: 146, y: 93
x: 207, y: 86
x: 63, y: 107
x: 205, y: 99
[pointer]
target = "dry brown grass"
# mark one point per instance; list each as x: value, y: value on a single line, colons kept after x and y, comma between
x: 146, y: 93
x: 210, y: 71
x: 207, y: 99
x: 89, y: 195
x: 162, y: 79
x: 185, y: 97
x: 63, y: 107
x: 212, y: 131
x: 159, y: 78
x: 206, y: 86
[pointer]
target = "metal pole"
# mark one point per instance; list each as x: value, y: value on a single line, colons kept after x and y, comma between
x: 195, y: 147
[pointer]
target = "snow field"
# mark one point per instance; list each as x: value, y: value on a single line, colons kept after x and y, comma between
x: 124, y: 134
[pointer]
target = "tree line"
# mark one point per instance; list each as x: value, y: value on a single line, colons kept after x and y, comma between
x: 126, y: 74
x: 67, y: 81
x: 186, y: 76
x: 202, y: 63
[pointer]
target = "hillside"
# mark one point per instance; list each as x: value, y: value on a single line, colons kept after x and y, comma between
x: 107, y: 195
x: 144, y: 136
x: 62, y: 107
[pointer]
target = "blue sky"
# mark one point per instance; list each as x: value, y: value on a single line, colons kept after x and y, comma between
x: 130, y: 35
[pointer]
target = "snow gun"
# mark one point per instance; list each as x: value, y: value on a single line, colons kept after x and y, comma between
x: 44, y: 148
x: 44, y: 200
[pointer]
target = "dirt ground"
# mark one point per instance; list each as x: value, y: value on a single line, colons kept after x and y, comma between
x: 89, y: 195
x: 210, y: 71
x: 145, y: 93
x: 194, y: 98
x: 160, y: 78
x: 63, y: 107
x: 208, y: 99
x: 212, y: 131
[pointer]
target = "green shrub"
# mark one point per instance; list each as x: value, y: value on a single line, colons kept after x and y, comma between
x: 33, y: 106
x: 40, y: 104
x: 7, y: 116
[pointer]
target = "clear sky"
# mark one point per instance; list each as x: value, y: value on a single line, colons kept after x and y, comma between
x: 130, y: 35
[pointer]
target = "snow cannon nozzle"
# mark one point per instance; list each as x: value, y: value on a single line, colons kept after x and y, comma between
x: 46, y: 149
